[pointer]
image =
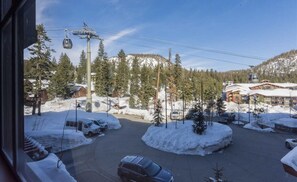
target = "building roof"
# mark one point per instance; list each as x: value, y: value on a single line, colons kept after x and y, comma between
x: 275, y: 93
x: 245, y: 87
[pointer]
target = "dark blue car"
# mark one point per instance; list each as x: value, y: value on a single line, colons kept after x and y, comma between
x: 138, y: 168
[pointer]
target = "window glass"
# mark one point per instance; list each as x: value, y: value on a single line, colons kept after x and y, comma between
x: 152, y: 169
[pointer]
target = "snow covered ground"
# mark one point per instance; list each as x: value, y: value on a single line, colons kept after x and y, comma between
x: 272, y: 115
x: 48, y: 128
x: 180, y: 139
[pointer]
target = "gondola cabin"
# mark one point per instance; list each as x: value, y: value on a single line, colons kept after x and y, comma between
x: 253, y: 78
x: 67, y: 43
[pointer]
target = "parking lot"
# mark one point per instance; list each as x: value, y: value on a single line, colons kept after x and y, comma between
x: 253, y: 156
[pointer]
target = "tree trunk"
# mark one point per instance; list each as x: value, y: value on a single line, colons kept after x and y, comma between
x: 39, y: 106
x: 34, y: 105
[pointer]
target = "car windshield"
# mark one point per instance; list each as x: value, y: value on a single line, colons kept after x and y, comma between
x: 152, y: 169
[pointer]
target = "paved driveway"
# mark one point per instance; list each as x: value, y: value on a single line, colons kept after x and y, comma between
x: 253, y: 156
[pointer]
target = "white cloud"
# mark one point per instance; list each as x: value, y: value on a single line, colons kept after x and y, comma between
x: 41, y: 7
x: 108, y: 41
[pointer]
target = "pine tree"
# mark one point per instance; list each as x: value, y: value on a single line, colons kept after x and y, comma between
x: 172, y: 90
x: 134, y: 82
x: 158, y: 117
x: 99, y: 87
x: 146, y: 86
x: 220, y: 106
x: 82, y: 68
x: 177, y: 74
x: 199, y: 125
x: 64, y: 75
x: 41, y: 65
x: 54, y: 64
x: 102, y: 70
x: 218, y: 172
x: 187, y: 88
x: 122, y: 75
x: 107, y: 77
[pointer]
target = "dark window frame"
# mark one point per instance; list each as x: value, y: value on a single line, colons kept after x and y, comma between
x: 21, y: 13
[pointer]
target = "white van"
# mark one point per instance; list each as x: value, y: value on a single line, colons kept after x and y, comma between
x: 82, y: 124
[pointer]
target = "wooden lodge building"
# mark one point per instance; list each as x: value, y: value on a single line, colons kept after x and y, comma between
x: 269, y: 93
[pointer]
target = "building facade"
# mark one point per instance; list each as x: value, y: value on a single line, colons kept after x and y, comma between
x: 270, y: 93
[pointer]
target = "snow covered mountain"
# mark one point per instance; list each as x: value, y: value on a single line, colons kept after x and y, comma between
x: 143, y: 59
x: 284, y: 63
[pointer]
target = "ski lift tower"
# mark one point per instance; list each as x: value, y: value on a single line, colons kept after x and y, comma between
x: 253, y: 78
x: 87, y: 33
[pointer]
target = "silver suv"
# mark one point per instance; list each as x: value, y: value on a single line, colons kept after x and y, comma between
x: 138, y: 168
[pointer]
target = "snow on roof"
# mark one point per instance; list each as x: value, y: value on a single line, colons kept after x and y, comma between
x: 241, y: 86
x: 290, y: 159
x: 247, y: 86
x: 275, y: 93
x: 244, y: 89
x: 285, y: 85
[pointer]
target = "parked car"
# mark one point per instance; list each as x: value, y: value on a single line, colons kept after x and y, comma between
x: 291, y: 143
x: 190, y: 113
x: 82, y: 124
x: 226, y: 118
x: 102, y: 124
x: 138, y: 168
x: 175, y: 115
x: 294, y: 116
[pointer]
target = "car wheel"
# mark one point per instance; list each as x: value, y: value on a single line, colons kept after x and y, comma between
x: 124, y: 179
x: 89, y: 134
x: 288, y: 145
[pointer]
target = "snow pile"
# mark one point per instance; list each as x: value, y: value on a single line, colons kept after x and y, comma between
x: 180, y: 139
x: 70, y: 139
x: 255, y: 126
x: 46, y: 170
x: 47, y: 129
x: 290, y: 159
x: 56, y: 120
x: 290, y: 122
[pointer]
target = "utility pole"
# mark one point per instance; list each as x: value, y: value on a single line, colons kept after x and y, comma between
x: 183, y: 108
x: 158, y: 82
x: 87, y: 33
x: 169, y: 57
x: 165, y: 104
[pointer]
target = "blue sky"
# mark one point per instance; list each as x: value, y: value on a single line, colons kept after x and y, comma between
x: 206, y: 33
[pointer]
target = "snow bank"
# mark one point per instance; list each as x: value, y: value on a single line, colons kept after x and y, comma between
x: 290, y: 122
x: 46, y: 170
x: 255, y: 126
x: 290, y: 159
x: 272, y: 115
x: 47, y: 129
x: 184, y: 141
x: 53, y: 138
x: 56, y: 120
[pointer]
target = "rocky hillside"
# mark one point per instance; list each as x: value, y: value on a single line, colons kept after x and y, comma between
x: 285, y: 63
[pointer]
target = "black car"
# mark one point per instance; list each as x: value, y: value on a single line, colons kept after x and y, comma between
x: 142, y: 169
x: 226, y: 118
